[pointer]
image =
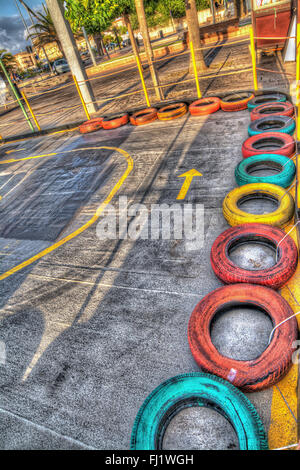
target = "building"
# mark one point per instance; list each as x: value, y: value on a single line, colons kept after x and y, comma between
x: 25, y: 60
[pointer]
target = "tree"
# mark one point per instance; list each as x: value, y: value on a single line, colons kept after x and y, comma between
x: 126, y: 8
x: 158, y: 12
x: 95, y: 16
x: 44, y: 31
x: 194, y: 33
x: 8, y: 60
x: 139, y: 4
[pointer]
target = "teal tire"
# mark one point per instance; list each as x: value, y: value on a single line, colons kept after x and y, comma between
x: 264, y: 98
x: 285, y: 124
x: 284, y: 165
x: 196, y: 389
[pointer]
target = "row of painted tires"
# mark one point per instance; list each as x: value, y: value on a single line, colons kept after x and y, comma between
x: 212, y: 390
x: 203, y: 106
x: 276, y: 360
x: 252, y: 286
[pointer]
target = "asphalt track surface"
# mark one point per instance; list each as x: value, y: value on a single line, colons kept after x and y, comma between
x: 90, y: 329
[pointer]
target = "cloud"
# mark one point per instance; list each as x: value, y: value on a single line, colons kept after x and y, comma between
x: 12, y: 34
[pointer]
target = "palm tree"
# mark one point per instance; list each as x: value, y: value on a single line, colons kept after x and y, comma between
x: 140, y: 10
x: 194, y: 34
x: 44, y: 31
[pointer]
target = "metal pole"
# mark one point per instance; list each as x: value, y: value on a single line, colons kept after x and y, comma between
x: 17, y: 96
x: 89, y: 46
x: 31, y: 111
x: 142, y: 80
x: 253, y: 55
x: 195, y: 70
x: 81, y: 98
x: 27, y: 29
x: 297, y: 79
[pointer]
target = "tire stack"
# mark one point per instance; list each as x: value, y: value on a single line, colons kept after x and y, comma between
x: 223, y: 377
x: 256, y: 287
x: 201, y: 107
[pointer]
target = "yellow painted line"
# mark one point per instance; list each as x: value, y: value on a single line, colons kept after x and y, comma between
x: 188, y: 175
x: 87, y: 224
x: 45, y: 135
x: 283, y: 427
x: 14, y: 150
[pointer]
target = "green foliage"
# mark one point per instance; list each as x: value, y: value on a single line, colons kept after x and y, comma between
x: 95, y: 15
x: 8, y: 60
x: 98, y: 15
x: 44, y: 30
x: 158, y: 11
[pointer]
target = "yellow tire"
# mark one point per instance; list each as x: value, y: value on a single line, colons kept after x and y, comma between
x: 278, y: 218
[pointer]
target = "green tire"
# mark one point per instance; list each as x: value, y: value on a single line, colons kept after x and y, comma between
x: 284, y: 178
x: 198, y: 389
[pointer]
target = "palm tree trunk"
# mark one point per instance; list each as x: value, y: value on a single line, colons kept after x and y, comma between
x: 117, y: 38
x: 98, y: 44
x: 139, y: 4
x: 131, y: 35
x: 104, y: 47
x: 194, y: 34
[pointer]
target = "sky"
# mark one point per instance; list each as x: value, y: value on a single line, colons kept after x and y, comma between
x: 12, y: 37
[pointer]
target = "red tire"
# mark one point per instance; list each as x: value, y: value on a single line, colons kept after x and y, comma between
x: 273, y: 109
x: 172, y: 111
x: 91, y: 126
x: 204, y: 106
x: 251, y: 375
x: 274, y: 276
x: 269, y: 142
x: 145, y: 116
x: 236, y: 101
x: 114, y: 122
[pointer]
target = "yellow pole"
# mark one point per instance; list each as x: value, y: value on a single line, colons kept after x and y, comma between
x: 143, y: 80
x: 30, y: 110
x: 253, y: 55
x: 195, y: 70
x: 297, y: 103
x: 81, y: 98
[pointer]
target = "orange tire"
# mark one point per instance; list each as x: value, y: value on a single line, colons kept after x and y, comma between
x: 144, y: 116
x: 172, y: 111
x: 272, y: 364
x: 91, y: 126
x: 115, y: 121
x: 273, y: 109
x: 204, y: 106
x: 236, y: 101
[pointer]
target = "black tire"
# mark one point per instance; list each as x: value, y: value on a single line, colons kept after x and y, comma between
x: 265, y: 98
x: 284, y: 124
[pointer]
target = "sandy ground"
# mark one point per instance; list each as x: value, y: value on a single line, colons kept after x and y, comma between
x: 61, y: 105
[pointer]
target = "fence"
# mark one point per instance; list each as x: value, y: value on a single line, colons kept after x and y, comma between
x: 38, y: 113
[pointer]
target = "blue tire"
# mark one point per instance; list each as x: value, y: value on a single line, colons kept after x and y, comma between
x: 265, y: 98
x: 285, y: 124
x: 188, y: 390
x: 283, y: 178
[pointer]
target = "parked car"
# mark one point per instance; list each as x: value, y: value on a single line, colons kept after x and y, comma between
x: 84, y: 54
x: 61, y: 66
x: 111, y: 46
